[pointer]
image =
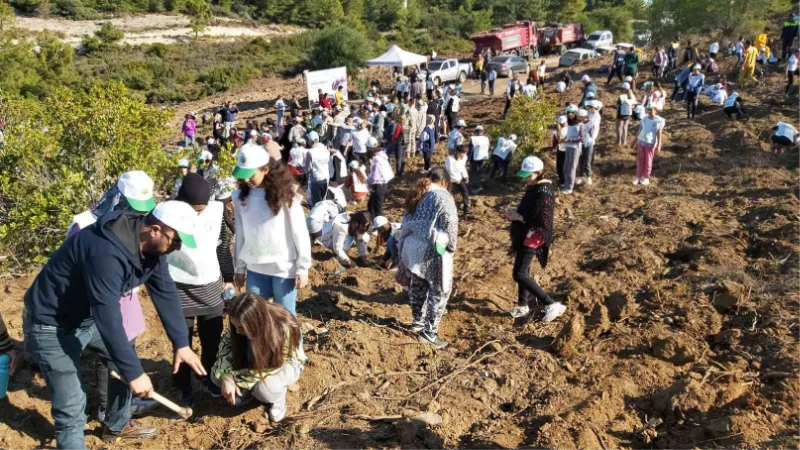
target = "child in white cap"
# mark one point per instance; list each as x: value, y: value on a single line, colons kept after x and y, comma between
x: 624, y: 112
x: 356, y: 181
x: 531, y: 236
x: 501, y: 156
x: 559, y: 134
x: 648, y: 144
x: 573, y: 146
x: 591, y: 123
x: 273, y: 251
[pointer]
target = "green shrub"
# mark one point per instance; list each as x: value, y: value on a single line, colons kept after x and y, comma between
x: 62, y: 153
x: 529, y: 119
x: 340, y: 46
x: 91, y: 44
x: 109, y: 34
x: 158, y: 50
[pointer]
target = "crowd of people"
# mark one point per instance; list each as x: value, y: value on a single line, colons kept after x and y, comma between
x: 239, y: 245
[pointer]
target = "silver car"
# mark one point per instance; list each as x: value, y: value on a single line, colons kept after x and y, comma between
x: 505, y: 64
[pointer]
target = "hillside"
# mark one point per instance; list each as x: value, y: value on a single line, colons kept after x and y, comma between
x: 681, y: 329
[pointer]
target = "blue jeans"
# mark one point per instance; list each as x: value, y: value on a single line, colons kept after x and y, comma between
x: 280, y: 289
x: 392, y: 251
x: 280, y: 118
x: 57, y: 351
x: 188, y: 140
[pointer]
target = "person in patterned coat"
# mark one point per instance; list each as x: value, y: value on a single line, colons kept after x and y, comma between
x: 426, y: 244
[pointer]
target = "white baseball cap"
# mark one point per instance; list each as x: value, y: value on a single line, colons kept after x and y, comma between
x: 586, y: 78
x: 251, y: 158
x: 461, y: 123
x: 479, y: 128
x: 591, y: 95
x: 513, y: 137
x: 571, y: 109
x: 530, y: 165
x: 698, y: 66
x: 137, y: 187
x: 629, y: 78
x: 379, y: 222
x: 301, y: 142
x: 205, y: 155
x: 626, y: 85
x: 372, y: 142
x: 582, y: 113
x: 313, y: 136
x: 183, y: 162
x: 210, y: 141
x: 354, y: 164
x: 562, y: 119
x: 591, y: 104
x: 180, y: 217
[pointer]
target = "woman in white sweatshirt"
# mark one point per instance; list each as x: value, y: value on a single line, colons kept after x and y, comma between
x: 273, y: 249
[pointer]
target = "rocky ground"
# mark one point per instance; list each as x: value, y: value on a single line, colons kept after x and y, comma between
x: 681, y: 329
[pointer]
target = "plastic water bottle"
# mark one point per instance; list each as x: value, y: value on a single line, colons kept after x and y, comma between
x: 228, y: 294
x: 5, y: 370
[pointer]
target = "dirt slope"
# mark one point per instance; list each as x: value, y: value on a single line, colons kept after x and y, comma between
x: 681, y: 330
x: 152, y: 28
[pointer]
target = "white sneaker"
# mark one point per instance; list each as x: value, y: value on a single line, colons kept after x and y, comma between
x: 579, y: 181
x: 589, y: 181
x: 566, y: 191
x: 553, y: 311
x: 636, y: 181
x: 520, y: 311
x: 646, y: 181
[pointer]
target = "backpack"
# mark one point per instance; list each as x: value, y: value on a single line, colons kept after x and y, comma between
x: 624, y: 107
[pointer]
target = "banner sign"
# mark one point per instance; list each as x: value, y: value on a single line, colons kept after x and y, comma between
x: 328, y: 80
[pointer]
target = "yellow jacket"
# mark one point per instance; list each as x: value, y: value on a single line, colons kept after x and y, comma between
x: 761, y: 40
x: 750, y: 56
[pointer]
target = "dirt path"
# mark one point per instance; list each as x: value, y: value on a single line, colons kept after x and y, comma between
x: 682, y: 318
x: 152, y: 28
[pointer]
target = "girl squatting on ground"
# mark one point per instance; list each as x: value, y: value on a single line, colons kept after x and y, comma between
x: 260, y: 356
x: 531, y: 236
x: 426, y: 243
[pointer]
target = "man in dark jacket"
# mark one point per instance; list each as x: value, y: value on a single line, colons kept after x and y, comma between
x: 789, y: 32
x: 74, y: 303
x: 229, y: 117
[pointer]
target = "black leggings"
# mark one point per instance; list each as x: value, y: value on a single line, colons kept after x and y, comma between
x: 691, y: 104
x: 500, y: 165
x: 790, y: 75
x: 209, y: 329
x: 376, y: 198
x: 464, y: 190
x: 615, y: 70
x: 525, y: 282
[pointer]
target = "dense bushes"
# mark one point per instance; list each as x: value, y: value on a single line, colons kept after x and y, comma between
x: 340, y: 46
x: 61, y: 153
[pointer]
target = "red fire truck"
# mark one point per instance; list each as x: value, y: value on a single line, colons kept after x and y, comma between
x: 524, y: 38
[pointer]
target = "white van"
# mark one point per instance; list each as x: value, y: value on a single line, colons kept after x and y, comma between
x: 600, y: 38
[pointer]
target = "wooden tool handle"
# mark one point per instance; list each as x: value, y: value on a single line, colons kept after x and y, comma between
x: 181, y: 411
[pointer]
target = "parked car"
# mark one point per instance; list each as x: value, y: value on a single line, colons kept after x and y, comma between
x: 505, y: 64
x: 576, y: 56
x: 446, y: 70
x: 600, y: 38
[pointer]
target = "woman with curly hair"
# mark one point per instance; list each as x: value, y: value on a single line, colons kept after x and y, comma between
x: 426, y: 243
x: 273, y: 250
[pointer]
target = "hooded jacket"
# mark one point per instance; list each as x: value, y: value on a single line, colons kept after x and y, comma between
x: 85, y: 277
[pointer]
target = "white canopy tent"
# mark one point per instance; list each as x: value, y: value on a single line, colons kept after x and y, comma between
x: 397, y: 57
